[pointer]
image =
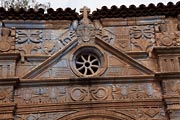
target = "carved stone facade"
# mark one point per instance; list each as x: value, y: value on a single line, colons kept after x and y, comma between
x: 90, y: 69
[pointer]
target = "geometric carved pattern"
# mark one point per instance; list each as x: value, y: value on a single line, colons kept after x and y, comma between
x: 151, y: 112
x: 63, y: 94
x: 43, y: 116
x: 147, y: 113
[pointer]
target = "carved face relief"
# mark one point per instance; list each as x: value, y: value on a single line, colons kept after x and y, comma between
x: 86, y: 33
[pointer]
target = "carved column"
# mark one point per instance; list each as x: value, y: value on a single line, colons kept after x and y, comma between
x: 168, y: 59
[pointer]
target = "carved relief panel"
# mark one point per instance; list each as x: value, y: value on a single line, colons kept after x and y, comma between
x: 148, y: 113
x: 117, y: 67
x: 7, y: 68
x: 122, y: 38
x: 41, y: 42
x: 169, y: 63
x: 44, y: 116
x: 63, y: 94
x: 142, y: 37
x: 7, y: 39
x: 6, y: 94
x: 60, y: 69
x: 172, y: 87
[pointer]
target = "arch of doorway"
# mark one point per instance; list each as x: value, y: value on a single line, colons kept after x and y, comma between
x: 110, y: 115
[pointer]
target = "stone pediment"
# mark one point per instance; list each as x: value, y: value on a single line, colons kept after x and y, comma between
x: 87, y: 52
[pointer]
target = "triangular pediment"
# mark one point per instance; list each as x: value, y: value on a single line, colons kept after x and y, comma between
x: 115, y: 63
x: 88, y: 52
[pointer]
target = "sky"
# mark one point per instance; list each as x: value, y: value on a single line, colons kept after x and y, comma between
x: 93, y: 4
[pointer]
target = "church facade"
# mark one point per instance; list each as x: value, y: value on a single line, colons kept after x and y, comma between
x: 114, y: 64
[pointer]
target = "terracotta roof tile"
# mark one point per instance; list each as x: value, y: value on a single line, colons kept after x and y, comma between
x: 32, y: 14
x: 114, y: 12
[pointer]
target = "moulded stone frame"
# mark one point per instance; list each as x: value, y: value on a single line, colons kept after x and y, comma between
x: 103, y: 59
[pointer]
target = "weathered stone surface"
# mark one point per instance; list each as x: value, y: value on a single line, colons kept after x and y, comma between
x: 90, y: 69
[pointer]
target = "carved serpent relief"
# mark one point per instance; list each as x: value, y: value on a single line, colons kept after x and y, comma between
x: 64, y: 94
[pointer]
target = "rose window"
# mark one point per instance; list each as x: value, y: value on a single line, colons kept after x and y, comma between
x: 87, y: 64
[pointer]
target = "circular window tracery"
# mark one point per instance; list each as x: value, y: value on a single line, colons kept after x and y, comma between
x: 88, y: 61
x: 87, y: 64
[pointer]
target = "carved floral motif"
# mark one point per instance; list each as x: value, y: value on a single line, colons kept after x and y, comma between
x: 142, y: 37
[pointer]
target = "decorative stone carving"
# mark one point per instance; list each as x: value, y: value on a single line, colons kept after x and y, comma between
x: 135, y: 91
x: 142, y: 37
x: 7, y: 39
x: 88, y: 94
x: 31, y: 36
x: 43, y: 116
x: 147, y: 113
x: 122, y: 38
x: 165, y: 39
x: 172, y: 88
x: 40, y: 95
x: 63, y: 94
x: 178, y: 25
x: 6, y: 94
x: 169, y: 63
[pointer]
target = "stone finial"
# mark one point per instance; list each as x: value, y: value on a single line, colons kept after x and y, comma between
x: 85, y: 11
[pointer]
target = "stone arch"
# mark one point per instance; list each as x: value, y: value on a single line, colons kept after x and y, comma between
x: 97, y: 113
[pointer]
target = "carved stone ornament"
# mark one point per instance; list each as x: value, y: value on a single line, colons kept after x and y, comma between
x: 64, y: 94
x: 7, y: 39
x: 6, y: 94
x: 142, y: 37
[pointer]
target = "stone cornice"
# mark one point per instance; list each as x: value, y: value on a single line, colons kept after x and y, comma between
x: 166, y: 50
x: 21, y: 109
x: 167, y: 75
x: 9, y: 81
x: 9, y: 56
x: 86, y: 80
